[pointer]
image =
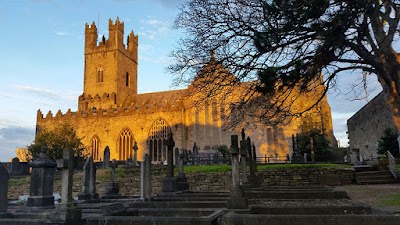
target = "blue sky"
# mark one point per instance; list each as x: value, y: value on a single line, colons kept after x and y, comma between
x: 42, y: 59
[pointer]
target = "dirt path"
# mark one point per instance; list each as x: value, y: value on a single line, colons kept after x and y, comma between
x: 385, y: 196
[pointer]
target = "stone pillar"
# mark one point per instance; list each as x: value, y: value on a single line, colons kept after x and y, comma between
x: 169, y: 182
x: 106, y: 161
x: 112, y: 188
x: 67, y: 212
x: 4, y: 177
x: 181, y: 179
x: 243, y: 157
x: 42, y: 179
x: 145, y: 178
x: 88, y: 193
x: 237, y: 199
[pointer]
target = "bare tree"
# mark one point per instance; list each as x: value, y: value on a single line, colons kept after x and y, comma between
x: 284, y: 49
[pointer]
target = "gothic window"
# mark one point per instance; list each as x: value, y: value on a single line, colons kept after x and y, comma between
x: 125, y: 144
x: 100, y: 74
x: 157, y: 136
x: 127, y: 79
x: 95, y: 148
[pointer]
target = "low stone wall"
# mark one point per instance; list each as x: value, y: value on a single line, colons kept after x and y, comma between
x: 222, y: 181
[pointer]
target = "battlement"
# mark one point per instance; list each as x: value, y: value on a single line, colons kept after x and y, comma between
x: 137, y: 107
x: 116, y: 26
x: 115, y: 40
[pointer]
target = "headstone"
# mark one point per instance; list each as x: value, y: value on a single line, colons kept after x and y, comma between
x: 169, y: 182
x: 305, y: 157
x: 181, y: 179
x: 67, y: 212
x: 145, y: 178
x: 296, y: 157
x: 243, y: 157
x: 42, y: 179
x: 255, y: 157
x: 88, y: 193
x: 195, y: 154
x: 176, y: 156
x: 4, y: 177
x: 237, y: 199
x: 106, y: 161
x: 112, y: 188
x: 135, y: 148
x: 252, y: 179
x: 15, y: 167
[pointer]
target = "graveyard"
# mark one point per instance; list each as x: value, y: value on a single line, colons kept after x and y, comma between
x: 166, y: 194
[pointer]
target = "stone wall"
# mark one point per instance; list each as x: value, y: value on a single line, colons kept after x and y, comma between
x: 367, y: 126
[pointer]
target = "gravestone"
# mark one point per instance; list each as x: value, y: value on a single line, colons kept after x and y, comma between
x: 106, y: 161
x: 42, y: 179
x: 4, y: 177
x: 112, y: 188
x: 296, y: 157
x: 169, y: 182
x: 195, y: 154
x: 305, y: 157
x: 88, y: 193
x: 15, y: 167
x: 252, y: 179
x: 243, y: 157
x: 135, y: 148
x: 255, y: 158
x: 67, y: 212
x: 237, y: 199
x: 176, y: 156
x: 145, y: 178
x: 181, y: 179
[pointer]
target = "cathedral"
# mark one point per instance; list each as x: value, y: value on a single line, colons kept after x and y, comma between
x: 111, y: 112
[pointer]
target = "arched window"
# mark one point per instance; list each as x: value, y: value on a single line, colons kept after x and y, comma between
x: 96, y: 148
x: 127, y: 79
x: 157, y: 136
x: 100, y: 74
x: 125, y: 144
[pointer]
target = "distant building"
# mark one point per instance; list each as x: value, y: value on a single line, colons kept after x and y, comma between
x: 112, y: 113
x: 367, y: 126
x: 22, y: 154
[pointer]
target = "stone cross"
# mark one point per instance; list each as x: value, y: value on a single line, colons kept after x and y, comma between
x: 113, y: 167
x: 145, y: 178
x: 66, y: 164
x: 4, y: 177
x: 170, y: 143
x: 135, y: 148
x: 236, y: 200
x: 89, y: 181
x: 42, y: 179
x: 106, y: 161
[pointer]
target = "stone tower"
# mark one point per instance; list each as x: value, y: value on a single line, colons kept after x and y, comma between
x: 110, y: 69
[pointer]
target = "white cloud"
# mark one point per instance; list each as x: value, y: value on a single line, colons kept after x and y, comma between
x: 154, y: 28
x: 38, y: 91
x: 60, y: 33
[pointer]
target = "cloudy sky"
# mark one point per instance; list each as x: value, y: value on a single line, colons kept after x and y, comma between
x: 42, y: 59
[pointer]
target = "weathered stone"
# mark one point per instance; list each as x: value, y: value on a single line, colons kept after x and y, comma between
x: 4, y: 177
x: 42, y: 179
x: 169, y: 182
x: 145, y: 178
x: 89, y: 182
x: 106, y: 160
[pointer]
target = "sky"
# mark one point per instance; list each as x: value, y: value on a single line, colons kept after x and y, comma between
x: 41, y: 58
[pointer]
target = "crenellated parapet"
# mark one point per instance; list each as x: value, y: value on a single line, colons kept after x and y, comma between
x: 114, y: 41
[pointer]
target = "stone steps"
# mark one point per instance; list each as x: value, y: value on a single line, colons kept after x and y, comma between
x: 375, y: 177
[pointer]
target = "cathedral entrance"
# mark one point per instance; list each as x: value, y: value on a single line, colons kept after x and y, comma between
x: 157, y: 137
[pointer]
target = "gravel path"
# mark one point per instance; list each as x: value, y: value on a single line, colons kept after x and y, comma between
x: 374, y: 195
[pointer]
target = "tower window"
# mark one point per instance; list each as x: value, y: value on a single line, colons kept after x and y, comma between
x: 100, y: 75
x: 127, y: 79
